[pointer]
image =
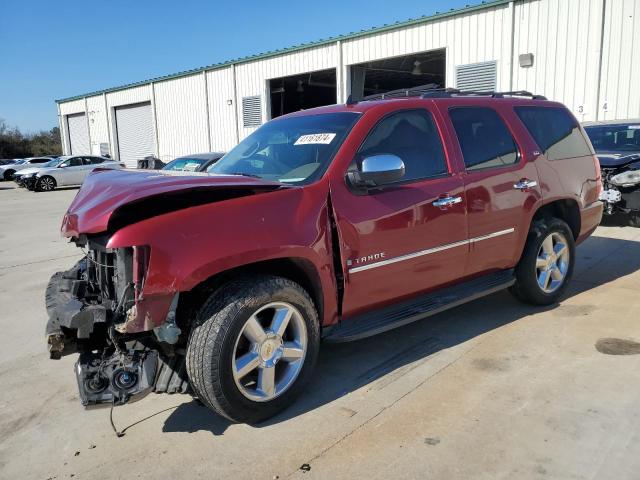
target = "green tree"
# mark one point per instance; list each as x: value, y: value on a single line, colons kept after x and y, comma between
x: 14, y: 144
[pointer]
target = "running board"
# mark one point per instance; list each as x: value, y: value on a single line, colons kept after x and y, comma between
x: 372, y: 323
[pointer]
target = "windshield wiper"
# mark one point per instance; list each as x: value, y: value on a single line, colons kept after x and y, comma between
x: 242, y: 174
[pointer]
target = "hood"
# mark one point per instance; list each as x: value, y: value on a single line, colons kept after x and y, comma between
x: 617, y: 159
x: 133, y: 195
x: 29, y: 171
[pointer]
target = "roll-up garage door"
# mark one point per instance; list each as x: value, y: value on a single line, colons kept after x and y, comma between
x: 78, y: 134
x: 134, y: 125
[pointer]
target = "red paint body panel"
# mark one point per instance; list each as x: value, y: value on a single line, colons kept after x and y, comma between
x: 493, y: 204
x: 190, y: 245
x: 104, y: 191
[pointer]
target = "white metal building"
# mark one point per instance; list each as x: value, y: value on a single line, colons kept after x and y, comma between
x: 584, y: 53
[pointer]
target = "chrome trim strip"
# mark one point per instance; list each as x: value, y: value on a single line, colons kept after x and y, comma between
x: 492, y: 235
x: 408, y: 256
x: 429, y: 251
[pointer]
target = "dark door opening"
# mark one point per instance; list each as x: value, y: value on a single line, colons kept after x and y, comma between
x: 395, y: 73
x: 301, y: 92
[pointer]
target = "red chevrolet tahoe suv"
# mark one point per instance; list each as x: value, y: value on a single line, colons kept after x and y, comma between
x: 329, y: 224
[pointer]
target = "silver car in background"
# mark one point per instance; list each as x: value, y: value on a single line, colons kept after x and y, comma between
x: 26, y: 178
x: 71, y: 171
x: 7, y: 171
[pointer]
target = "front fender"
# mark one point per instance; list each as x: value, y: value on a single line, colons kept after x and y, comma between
x: 191, y: 245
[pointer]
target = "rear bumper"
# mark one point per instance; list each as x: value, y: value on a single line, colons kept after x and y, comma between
x: 590, y: 217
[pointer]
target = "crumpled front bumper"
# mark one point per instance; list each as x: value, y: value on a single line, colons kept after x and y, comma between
x: 72, y: 321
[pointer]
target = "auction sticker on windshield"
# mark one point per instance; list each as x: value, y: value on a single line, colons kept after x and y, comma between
x: 315, y: 138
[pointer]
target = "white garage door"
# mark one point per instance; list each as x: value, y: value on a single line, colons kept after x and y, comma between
x: 78, y: 134
x: 134, y: 124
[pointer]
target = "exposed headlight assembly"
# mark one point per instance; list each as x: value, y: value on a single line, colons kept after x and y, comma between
x: 626, y: 179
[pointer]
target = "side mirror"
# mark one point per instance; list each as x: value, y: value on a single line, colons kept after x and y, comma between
x: 377, y: 170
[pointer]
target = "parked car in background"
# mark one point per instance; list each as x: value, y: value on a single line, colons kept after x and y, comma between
x: 617, y: 145
x: 150, y: 163
x: 198, y: 162
x: 7, y: 171
x: 332, y: 223
x: 72, y: 170
x: 26, y: 178
x: 8, y: 161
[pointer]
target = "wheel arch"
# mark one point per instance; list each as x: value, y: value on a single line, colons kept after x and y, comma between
x: 565, y: 209
x: 297, y: 269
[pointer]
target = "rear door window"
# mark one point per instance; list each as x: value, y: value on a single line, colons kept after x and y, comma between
x: 73, y: 162
x: 484, y: 138
x: 555, y: 131
x: 413, y: 136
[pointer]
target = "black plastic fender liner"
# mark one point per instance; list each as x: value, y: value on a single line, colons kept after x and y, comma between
x: 68, y: 313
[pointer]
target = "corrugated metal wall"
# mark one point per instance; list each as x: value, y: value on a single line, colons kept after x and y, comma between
x: 468, y: 38
x: 222, y: 108
x: 565, y: 41
x: 181, y: 112
x: 98, y: 122
x: 620, y: 80
x: 251, y: 78
x: 577, y: 53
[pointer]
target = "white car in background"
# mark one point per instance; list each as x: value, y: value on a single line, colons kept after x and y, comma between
x: 22, y: 176
x: 71, y: 171
x: 7, y: 171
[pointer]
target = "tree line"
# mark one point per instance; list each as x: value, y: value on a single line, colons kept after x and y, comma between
x: 15, y: 144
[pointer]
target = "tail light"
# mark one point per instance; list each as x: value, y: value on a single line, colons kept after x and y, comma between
x: 599, y: 186
x: 141, y: 257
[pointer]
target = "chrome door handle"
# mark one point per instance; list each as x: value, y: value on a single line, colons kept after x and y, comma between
x: 525, y: 184
x: 446, y: 202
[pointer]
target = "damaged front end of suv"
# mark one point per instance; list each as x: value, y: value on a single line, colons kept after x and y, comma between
x: 92, y: 309
x: 124, y: 326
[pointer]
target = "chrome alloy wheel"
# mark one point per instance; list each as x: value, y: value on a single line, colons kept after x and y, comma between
x: 269, y: 351
x: 46, y: 184
x: 552, y: 263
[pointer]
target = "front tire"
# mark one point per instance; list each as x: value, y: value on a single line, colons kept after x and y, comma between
x: 546, y: 266
x: 45, y: 184
x: 253, y: 347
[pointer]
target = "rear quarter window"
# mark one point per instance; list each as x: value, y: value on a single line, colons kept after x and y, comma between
x: 555, y: 131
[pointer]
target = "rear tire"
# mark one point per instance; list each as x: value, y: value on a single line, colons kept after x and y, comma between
x: 8, y: 174
x: 244, y: 360
x: 45, y: 184
x: 546, y: 266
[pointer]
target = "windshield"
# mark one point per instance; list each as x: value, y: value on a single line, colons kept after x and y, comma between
x: 291, y: 150
x: 185, y: 164
x: 615, y: 138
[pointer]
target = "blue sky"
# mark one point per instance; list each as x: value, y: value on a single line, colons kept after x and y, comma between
x: 55, y: 49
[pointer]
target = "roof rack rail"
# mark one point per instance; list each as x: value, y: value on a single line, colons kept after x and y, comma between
x: 403, y: 92
x: 434, y: 91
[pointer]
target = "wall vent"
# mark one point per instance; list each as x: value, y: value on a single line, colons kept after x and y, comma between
x: 480, y: 77
x: 251, y: 111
